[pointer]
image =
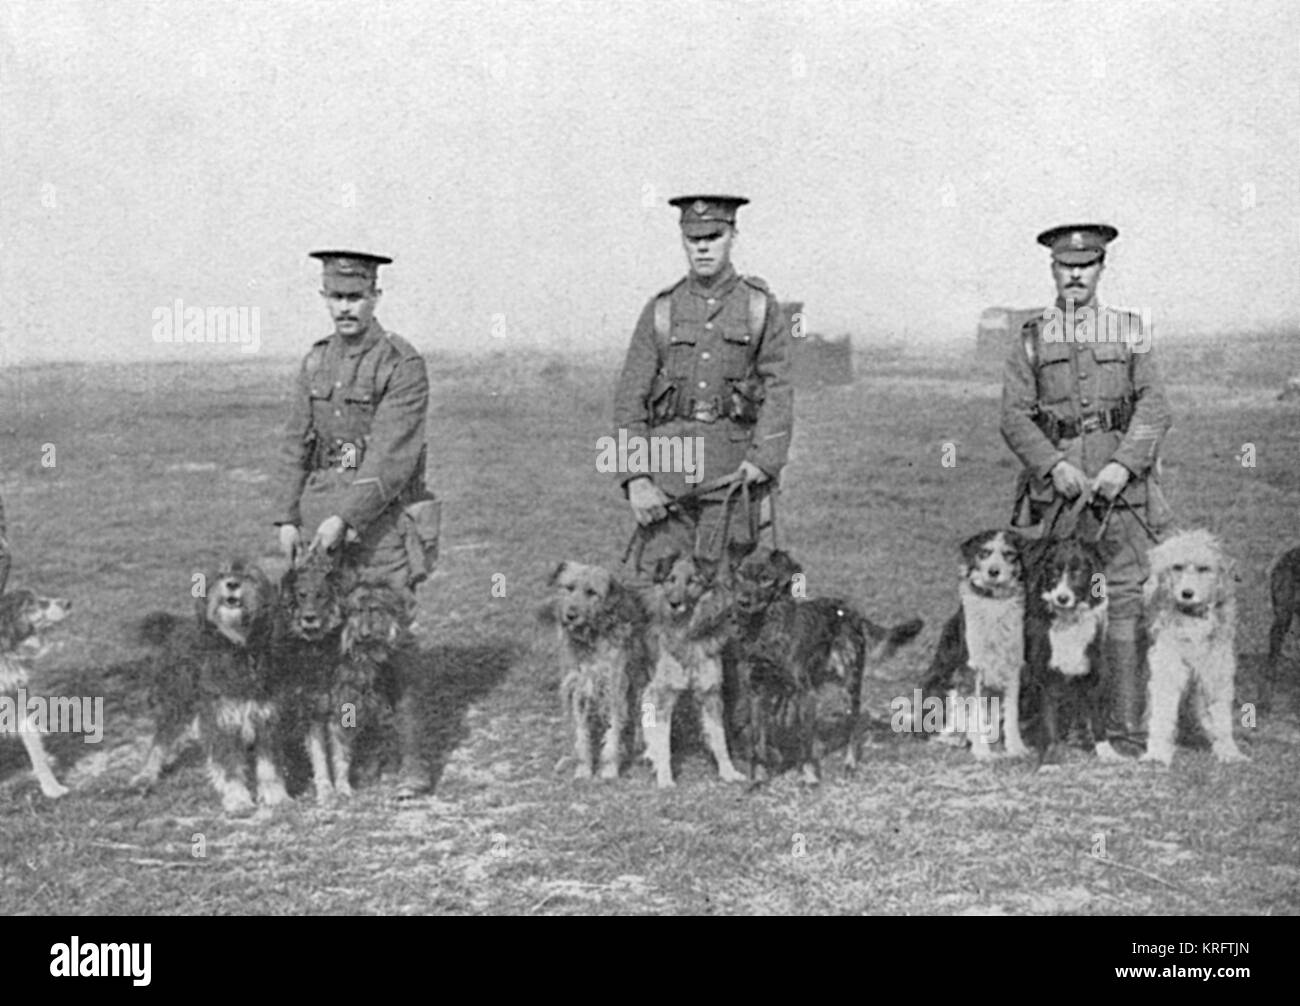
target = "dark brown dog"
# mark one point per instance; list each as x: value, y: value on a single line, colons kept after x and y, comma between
x: 213, y: 680
x: 1284, y: 587
x: 308, y: 656
x: 789, y: 648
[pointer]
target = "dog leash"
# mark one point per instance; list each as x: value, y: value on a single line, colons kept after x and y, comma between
x: 1081, y: 502
x: 1110, y: 509
x: 640, y: 534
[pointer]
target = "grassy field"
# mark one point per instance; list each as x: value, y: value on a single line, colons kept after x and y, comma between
x: 158, y: 470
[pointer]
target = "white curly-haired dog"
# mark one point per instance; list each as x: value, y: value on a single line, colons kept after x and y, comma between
x: 1192, y: 622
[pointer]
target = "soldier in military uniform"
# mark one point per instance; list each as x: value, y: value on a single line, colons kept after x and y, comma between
x: 353, y: 454
x: 1084, y: 408
x: 710, y: 359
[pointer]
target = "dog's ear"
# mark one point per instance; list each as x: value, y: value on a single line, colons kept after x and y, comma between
x: 557, y: 573
x: 1016, y: 540
x: 738, y: 551
x: 784, y: 567
x: 1108, y: 549
x: 664, y: 567
x: 349, y: 578
x: 707, y: 569
x: 1033, y: 551
x: 201, y: 598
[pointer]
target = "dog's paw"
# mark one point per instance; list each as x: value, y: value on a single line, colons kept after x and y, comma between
x: 664, y: 780
x: 609, y: 772
x: 1159, y: 758
x: 54, y: 789
x: 732, y: 775
x: 1016, y: 750
x: 810, y: 776
x: 1231, y: 755
x: 582, y: 772
x: 236, y: 804
x: 1106, y: 752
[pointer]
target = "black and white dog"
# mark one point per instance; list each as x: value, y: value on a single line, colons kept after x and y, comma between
x: 982, y: 649
x: 1065, y: 629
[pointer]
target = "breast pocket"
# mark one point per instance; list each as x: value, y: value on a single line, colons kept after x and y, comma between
x: 1055, y: 374
x: 1113, y: 382
x: 680, y: 364
x: 360, y: 403
x: 737, y: 354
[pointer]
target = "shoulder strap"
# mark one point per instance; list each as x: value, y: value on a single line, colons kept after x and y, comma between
x: 663, y: 316
x: 1029, y: 339
x: 757, y: 312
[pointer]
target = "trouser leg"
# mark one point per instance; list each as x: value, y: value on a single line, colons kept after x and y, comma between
x: 1127, y: 683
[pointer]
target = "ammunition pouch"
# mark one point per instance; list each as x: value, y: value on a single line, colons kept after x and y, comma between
x: 742, y: 403
x: 1057, y: 430
x: 336, y: 453
x: 747, y: 396
x: 421, y: 523
x: 663, y: 402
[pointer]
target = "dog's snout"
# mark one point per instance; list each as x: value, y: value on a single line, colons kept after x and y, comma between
x: 994, y: 572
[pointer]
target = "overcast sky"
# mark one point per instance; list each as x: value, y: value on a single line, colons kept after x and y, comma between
x: 515, y: 158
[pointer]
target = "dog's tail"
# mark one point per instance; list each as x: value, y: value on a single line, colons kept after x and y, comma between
x: 157, y: 627
x: 887, y: 640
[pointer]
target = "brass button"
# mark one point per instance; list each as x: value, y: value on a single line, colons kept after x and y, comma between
x: 704, y: 384
x: 708, y: 324
x: 704, y: 356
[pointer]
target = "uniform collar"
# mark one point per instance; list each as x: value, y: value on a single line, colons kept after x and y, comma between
x: 1095, y: 306
x: 371, y: 336
x: 720, y: 287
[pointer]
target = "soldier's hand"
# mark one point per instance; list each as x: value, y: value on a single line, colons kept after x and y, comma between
x: 647, y: 501
x: 1070, y: 481
x: 1111, y: 480
x: 750, y: 472
x: 329, y: 534
x: 290, y: 539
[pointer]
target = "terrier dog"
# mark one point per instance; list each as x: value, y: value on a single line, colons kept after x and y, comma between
x: 1192, y: 622
x: 604, y: 661
x: 686, y: 643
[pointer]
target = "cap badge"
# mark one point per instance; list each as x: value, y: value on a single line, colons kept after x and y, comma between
x: 700, y: 207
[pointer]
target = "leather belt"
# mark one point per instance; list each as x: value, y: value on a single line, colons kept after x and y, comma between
x: 1057, y: 430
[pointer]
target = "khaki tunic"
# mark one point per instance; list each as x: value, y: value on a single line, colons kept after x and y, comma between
x: 1071, y: 380
x: 354, y: 446
x: 708, y: 357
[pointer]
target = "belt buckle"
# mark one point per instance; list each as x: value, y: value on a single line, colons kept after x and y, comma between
x: 1090, y: 424
x: 706, y: 414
